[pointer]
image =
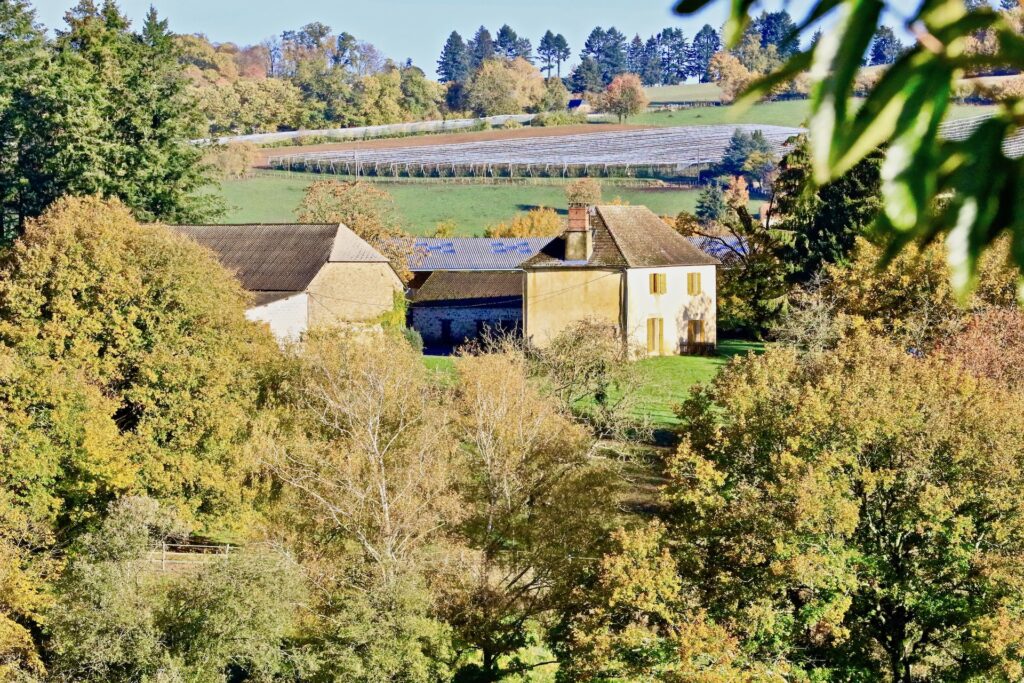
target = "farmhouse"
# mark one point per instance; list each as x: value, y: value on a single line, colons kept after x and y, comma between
x: 617, y: 263
x: 303, y: 276
x: 624, y: 265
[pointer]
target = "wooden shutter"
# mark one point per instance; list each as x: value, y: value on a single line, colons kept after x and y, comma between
x: 653, y: 277
x: 662, y: 284
x: 693, y: 284
x: 657, y: 281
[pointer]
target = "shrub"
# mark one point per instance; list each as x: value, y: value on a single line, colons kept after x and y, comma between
x: 583, y: 191
x: 558, y: 118
x: 414, y: 338
x: 233, y: 160
x: 539, y: 222
x: 511, y: 124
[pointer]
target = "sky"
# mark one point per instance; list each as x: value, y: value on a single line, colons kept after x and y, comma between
x: 417, y: 29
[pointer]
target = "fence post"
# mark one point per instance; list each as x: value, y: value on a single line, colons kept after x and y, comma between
x: 163, y: 556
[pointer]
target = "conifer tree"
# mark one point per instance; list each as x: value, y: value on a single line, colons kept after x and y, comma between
x: 453, y: 66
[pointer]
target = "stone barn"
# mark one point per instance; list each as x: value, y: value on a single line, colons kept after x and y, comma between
x: 451, y: 308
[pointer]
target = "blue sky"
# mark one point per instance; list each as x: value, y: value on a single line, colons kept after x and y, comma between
x: 418, y: 28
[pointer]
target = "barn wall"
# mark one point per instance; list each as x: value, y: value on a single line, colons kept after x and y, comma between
x: 428, y: 320
x: 287, y: 318
x: 557, y: 298
x: 351, y: 292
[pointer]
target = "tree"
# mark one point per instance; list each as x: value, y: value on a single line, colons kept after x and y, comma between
x: 505, y: 87
x: 730, y: 75
x: 624, y: 97
x: 675, y: 53
x: 453, y: 66
x: 705, y: 45
x: 635, y: 55
x: 562, y: 53
x: 530, y: 493
x: 156, y: 327
x: 741, y: 145
x: 586, y: 77
x: 990, y: 346
x: 778, y: 29
x: 420, y: 98
x: 556, y: 97
x: 538, y: 222
x: 102, y: 111
x: 584, y: 192
x: 366, y: 210
x: 885, y: 47
x: 825, y: 220
x: 505, y: 43
x: 711, y: 205
x: 547, y: 50
x: 607, y: 49
x: 481, y: 48
x: 650, y: 66
x: 840, y: 531
x: 980, y: 179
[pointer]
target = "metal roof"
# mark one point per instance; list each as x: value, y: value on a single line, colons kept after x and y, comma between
x: 473, y: 253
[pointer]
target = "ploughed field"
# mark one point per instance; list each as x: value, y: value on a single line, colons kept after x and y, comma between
x: 658, y: 152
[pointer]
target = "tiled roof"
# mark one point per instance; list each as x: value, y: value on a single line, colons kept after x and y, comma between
x: 264, y: 298
x: 626, y: 236
x: 473, y: 253
x: 280, y: 257
x: 449, y: 286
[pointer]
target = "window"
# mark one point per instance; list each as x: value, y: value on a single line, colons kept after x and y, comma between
x: 655, y: 336
x: 693, y: 284
x: 695, y: 332
x: 658, y: 283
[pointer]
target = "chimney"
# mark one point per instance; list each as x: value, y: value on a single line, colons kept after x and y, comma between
x: 579, y: 239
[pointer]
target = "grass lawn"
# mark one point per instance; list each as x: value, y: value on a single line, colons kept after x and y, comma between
x: 668, y: 379
x: 686, y: 92
x: 785, y: 113
x: 273, y: 198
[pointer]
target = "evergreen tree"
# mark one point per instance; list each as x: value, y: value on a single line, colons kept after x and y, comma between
x: 613, y: 55
x: 481, y: 48
x: 1007, y: 5
x: 650, y: 72
x: 547, y: 50
x: 635, y: 55
x: 711, y: 206
x: 886, y: 47
x: 593, y: 45
x: 453, y: 66
x: 524, y: 49
x: 586, y: 77
x: 778, y: 29
x: 705, y: 44
x: 675, y: 56
x: 562, y: 53
x: 741, y: 146
x: 505, y: 42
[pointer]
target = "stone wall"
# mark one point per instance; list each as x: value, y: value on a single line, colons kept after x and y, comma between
x: 463, y: 321
x: 352, y: 292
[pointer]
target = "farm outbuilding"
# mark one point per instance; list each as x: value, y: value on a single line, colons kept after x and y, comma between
x: 452, y: 308
x: 302, y: 276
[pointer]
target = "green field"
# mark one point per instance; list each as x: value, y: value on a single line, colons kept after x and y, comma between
x: 785, y: 113
x: 272, y: 198
x: 686, y: 92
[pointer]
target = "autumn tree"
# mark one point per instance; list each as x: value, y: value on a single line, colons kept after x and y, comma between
x: 155, y: 329
x: 730, y: 75
x: 532, y: 498
x: 505, y: 87
x: 624, y: 97
x: 839, y: 529
x: 365, y: 209
x: 585, y: 191
x: 990, y: 346
x: 538, y: 222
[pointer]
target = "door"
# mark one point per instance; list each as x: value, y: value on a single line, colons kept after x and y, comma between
x: 655, y: 336
x: 446, y: 331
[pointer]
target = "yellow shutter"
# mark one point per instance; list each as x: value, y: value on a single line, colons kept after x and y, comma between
x: 693, y: 284
x: 654, y: 283
x: 657, y: 281
x: 650, y: 335
x: 655, y: 336
x: 662, y: 284
x: 661, y: 336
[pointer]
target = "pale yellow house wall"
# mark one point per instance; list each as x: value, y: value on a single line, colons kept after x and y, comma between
x: 675, y: 306
x: 556, y: 298
x: 351, y: 292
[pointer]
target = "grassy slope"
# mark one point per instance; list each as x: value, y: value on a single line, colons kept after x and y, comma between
x: 786, y: 113
x: 666, y: 380
x: 687, y: 92
x: 423, y: 205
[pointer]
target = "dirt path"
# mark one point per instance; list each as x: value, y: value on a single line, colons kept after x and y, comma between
x: 263, y: 155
